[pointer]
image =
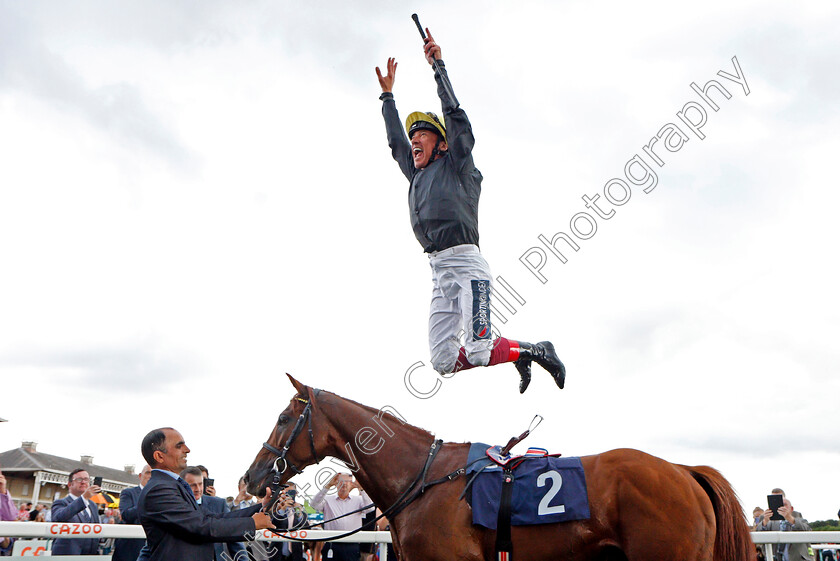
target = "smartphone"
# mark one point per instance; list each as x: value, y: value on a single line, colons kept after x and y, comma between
x: 773, y: 503
x: 97, y: 480
x: 208, y: 482
x: 291, y: 493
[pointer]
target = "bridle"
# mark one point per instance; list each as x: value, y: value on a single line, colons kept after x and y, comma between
x: 306, y: 415
x: 414, y: 490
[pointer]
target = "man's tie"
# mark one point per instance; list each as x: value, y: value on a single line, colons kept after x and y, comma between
x: 186, y: 486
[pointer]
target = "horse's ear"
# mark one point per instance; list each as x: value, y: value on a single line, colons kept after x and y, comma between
x: 298, y: 386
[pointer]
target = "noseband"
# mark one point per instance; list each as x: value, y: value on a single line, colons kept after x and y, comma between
x: 306, y: 415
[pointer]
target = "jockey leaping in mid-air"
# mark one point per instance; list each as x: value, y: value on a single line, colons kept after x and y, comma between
x: 436, y: 158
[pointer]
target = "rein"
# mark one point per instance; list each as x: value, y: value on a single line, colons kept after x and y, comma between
x: 403, y: 501
x: 418, y: 485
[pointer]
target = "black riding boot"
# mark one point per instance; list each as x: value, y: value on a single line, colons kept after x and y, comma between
x: 543, y: 354
x: 523, y: 366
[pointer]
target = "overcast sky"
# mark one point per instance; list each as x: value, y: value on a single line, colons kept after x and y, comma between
x: 197, y: 197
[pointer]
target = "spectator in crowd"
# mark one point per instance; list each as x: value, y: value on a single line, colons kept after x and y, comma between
x: 759, y: 552
x: 106, y: 545
x: 383, y: 525
x: 337, y: 505
x: 129, y: 549
x: 107, y: 517
x: 368, y: 550
x: 8, y: 514
x: 243, y: 499
x: 758, y: 514
x: 77, y: 507
x: 7, y: 506
x: 315, y: 548
x: 792, y: 521
x: 37, y: 515
x: 209, y: 489
x: 23, y: 513
x: 176, y: 528
x: 257, y: 550
x: 288, y: 515
x: 195, y: 479
x: 6, y: 545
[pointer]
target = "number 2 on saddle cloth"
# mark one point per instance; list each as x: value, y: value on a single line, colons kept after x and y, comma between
x: 546, y: 488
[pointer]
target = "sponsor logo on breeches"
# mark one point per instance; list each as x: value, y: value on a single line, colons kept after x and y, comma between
x: 481, y: 309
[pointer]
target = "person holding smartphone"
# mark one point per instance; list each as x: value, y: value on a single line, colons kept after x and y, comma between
x: 780, y: 517
x: 77, y: 507
x: 288, y: 515
x: 209, y: 488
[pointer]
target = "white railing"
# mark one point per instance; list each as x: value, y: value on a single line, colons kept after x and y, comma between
x: 795, y: 537
x: 816, y: 539
x: 76, y: 530
x: 72, y: 530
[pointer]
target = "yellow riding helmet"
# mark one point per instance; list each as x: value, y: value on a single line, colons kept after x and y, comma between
x: 429, y: 121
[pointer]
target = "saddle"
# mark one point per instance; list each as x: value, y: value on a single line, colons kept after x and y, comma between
x: 532, y: 488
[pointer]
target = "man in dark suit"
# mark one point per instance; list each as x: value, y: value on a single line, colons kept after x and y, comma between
x: 129, y: 549
x: 77, y: 507
x: 194, y: 477
x: 176, y: 528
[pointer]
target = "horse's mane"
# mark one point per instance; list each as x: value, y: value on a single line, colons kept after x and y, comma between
x: 419, y: 432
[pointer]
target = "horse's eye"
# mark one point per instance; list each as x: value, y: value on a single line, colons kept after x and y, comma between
x: 282, y: 420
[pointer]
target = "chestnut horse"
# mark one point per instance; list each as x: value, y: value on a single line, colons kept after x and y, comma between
x: 642, y: 508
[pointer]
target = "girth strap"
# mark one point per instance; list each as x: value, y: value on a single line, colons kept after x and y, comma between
x: 504, y: 543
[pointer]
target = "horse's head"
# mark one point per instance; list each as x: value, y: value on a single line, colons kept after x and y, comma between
x: 293, y: 430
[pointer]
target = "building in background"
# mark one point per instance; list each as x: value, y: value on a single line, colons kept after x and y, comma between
x: 42, y: 478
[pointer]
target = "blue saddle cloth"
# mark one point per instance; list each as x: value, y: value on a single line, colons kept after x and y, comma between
x: 546, y: 489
